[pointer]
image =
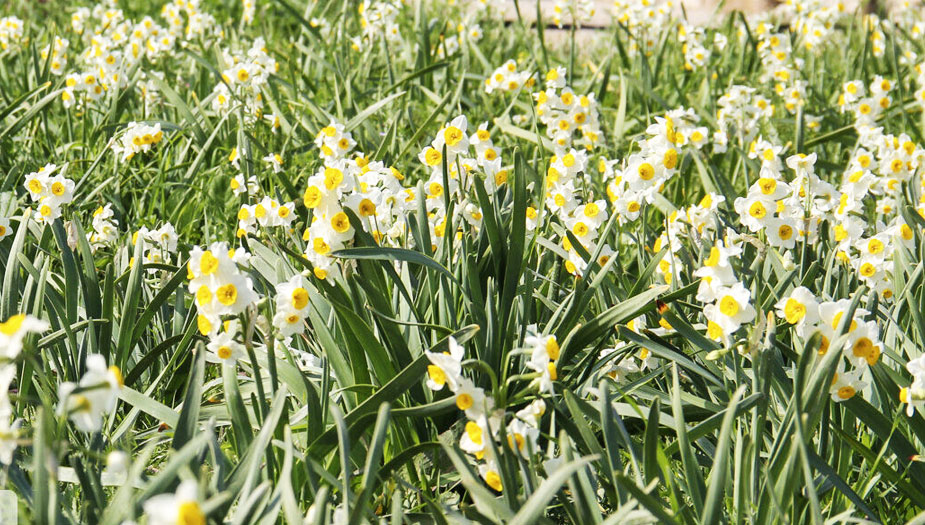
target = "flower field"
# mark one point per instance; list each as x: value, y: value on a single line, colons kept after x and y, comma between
x: 331, y: 261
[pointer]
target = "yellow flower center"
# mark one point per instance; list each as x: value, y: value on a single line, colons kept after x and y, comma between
x: 785, y: 232
x: 203, y: 295
x: 552, y: 348
x: 312, y: 197
x: 332, y: 178
x: 846, y: 392
x: 432, y: 157
x: 367, y: 208
x: 794, y: 311
x: 189, y: 513
x: 580, y: 229
x: 767, y: 185
x: 464, y: 401
x: 117, y: 373
x: 11, y: 325
x: 299, y: 298
x: 436, y: 375
x: 340, y: 222
x: 227, y: 294
x: 729, y: 306
x: 204, y: 325
x: 207, y: 263
x: 670, y: 159
x: 493, y: 480
x: 320, y: 247
x: 863, y: 347
x: 474, y: 431
x: 452, y: 135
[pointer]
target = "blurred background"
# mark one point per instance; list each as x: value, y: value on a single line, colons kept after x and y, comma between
x: 698, y: 11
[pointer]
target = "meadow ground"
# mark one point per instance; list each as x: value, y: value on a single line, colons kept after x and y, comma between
x: 421, y: 262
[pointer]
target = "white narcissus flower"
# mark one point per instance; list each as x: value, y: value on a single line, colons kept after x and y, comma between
x: 474, y: 439
x: 445, y: 368
x: 14, y: 330
x: 801, y: 308
x: 914, y: 394
x: 782, y: 233
x: 489, y: 472
x: 288, y: 323
x: 291, y: 306
x: 224, y: 349
x: 472, y: 399
x: 241, y: 185
x: 276, y: 161
x: 540, y: 362
x: 863, y: 345
x: 716, y: 271
x: 522, y: 436
x: 846, y: 385
x: 544, y: 351
x: 454, y: 137
x: 532, y: 413
x: 618, y: 371
x: 292, y: 295
x: 96, y: 394
x: 179, y: 508
x: 117, y: 462
x: 5, y: 230
x: 731, y: 311
x: 802, y: 164
x: 334, y: 142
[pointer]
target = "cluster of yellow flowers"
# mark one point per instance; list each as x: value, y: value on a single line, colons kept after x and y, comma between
x: 218, y: 285
x: 10, y: 32
x: 115, y: 45
x: 484, y: 419
x: 243, y: 81
x: 50, y: 190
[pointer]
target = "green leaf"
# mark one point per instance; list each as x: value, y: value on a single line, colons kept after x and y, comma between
x: 393, y: 254
x: 713, y: 507
x: 536, y: 504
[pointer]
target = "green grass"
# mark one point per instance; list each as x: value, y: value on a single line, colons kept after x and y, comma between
x: 338, y: 425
